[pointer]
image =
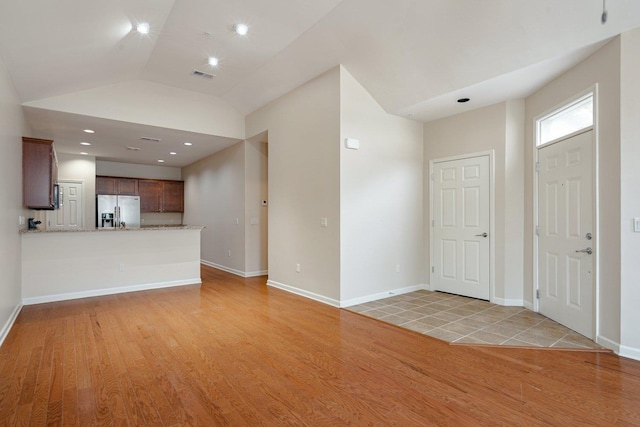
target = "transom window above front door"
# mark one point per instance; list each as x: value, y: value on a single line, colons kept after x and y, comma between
x: 571, y: 118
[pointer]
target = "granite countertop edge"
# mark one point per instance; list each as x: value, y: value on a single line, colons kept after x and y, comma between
x: 107, y: 230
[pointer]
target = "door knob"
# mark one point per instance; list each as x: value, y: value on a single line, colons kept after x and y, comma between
x: 588, y: 251
x: 482, y: 235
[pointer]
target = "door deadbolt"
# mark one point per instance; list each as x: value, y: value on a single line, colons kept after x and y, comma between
x: 589, y: 236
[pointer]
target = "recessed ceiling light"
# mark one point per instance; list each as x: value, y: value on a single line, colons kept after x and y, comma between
x: 85, y: 143
x: 213, y: 61
x: 188, y: 144
x: 84, y: 153
x: 173, y: 153
x: 89, y: 131
x: 241, y: 29
x: 160, y: 161
x: 143, y: 28
x: 463, y: 100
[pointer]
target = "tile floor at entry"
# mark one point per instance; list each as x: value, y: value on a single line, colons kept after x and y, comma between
x: 465, y: 320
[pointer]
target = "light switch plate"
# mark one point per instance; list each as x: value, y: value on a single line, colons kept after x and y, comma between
x: 636, y: 225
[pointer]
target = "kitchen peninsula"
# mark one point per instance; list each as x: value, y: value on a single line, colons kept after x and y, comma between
x: 68, y: 264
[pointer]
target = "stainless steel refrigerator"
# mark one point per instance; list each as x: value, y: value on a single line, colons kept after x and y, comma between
x: 114, y: 211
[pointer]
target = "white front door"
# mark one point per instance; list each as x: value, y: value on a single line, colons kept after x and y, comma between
x: 566, y: 238
x: 460, y: 227
x: 69, y: 214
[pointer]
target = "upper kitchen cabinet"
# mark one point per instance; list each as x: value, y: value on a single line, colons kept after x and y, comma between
x: 39, y: 173
x: 116, y: 185
x: 161, y: 196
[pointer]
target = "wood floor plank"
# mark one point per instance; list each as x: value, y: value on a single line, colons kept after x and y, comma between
x: 236, y: 352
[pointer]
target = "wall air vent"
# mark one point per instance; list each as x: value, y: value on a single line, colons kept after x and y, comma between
x: 202, y: 74
x: 147, y: 138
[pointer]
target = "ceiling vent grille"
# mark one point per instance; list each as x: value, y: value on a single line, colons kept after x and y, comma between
x: 148, y: 138
x: 202, y: 74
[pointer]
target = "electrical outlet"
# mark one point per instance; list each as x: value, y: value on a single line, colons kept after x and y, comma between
x: 323, y: 222
x: 229, y: 253
x: 397, y: 268
x: 21, y: 220
x: 121, y: 267
x: 297, y: 268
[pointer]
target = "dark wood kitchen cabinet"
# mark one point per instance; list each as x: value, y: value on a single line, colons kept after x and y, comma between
x: 39, y: 173
x: 161, y: 196
x: 116, y: 185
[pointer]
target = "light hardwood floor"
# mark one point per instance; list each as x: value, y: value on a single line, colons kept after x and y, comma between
x: 235, y: 352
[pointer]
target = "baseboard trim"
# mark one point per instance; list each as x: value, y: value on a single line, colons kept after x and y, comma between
x: 630, y: 352
x: 508, y: 302
x: 528, y: 305
x: 110, y: 291
x: 9, y: 324
x: 303, y: 293
x: 610, y: 344
x: 234, y: 271
x: 381, y: 295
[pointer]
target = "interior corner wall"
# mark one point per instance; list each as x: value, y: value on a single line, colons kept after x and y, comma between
x: 214, y: 198
x: 256, y: 215
x: 304, y: 186
x: 12, y: 128
x: 514, y: 148
x: 381, y: 193
x: 81, y: 168
x: 601, y: 68
x: 489, y: 128
x: 630, y: 202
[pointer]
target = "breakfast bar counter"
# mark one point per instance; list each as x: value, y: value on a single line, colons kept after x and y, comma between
x: 68, y: 264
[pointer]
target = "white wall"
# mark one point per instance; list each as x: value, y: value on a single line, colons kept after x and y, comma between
x: 81, y: 168
x: 12, y: 128
x: 491, y: 128
x: 256, y: 189
x: 602, y: 68
x: 381, y: 192
x: 59, y: 266
x: 153, y: 104
x: 629, y: 194
x: 214, y: 198
x: 130, y: 170
x: 304, y: 186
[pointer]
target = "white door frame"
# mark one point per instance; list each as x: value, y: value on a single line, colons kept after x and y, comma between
x: 595, y: 201
x: 492, y: 222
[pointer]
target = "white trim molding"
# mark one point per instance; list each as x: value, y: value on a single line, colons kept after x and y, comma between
x: 110, y: 291
x: 303, y: 293
x: 9, y: 324
x: 630, y: 352
x: 610, y: 344
x: 234, y: 271
x: 509, y: 302
x: 381, y: 295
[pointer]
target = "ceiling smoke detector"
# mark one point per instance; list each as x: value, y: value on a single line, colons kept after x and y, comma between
x: 198, y: 73
x: 148, y: 138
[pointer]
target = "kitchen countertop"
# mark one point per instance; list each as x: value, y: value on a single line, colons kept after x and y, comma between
x: 103, y: 230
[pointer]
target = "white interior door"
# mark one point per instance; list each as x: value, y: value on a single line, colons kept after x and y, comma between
x: 69, y: 214
x: 565, y: 242
x: 460, y: 224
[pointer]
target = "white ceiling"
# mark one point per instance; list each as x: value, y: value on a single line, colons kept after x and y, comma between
x: 415, y: 57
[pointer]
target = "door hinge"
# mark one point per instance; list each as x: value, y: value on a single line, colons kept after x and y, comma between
x: 537, y: 167
x: 537, y: 230
x: 433, y: 269
x: 537, y: 293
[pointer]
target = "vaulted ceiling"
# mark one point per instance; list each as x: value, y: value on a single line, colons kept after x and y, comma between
x: 415, y: 57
